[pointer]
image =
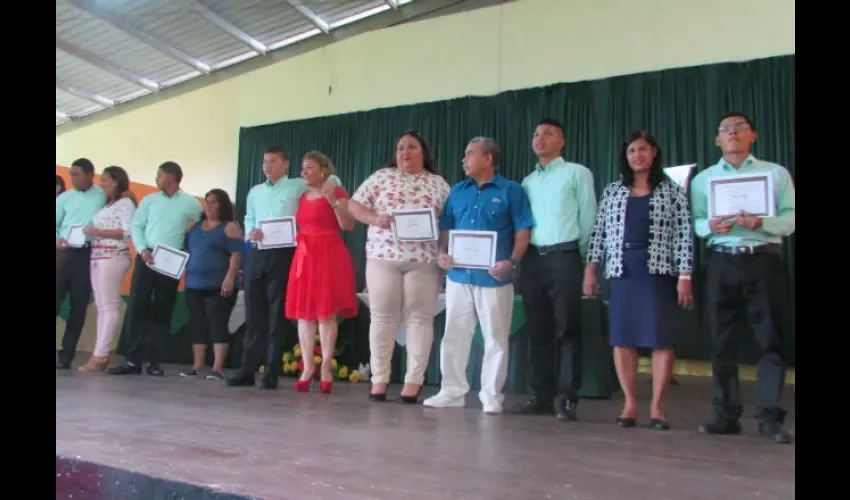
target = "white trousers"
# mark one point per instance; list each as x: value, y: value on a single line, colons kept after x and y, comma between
x: 466, y: 307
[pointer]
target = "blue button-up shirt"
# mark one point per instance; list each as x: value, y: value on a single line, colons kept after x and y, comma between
x: 497, y: 205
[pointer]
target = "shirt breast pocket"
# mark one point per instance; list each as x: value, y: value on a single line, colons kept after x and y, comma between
x: 497, y: 215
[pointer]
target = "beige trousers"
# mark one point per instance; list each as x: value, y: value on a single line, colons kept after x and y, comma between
x: 401, y: 292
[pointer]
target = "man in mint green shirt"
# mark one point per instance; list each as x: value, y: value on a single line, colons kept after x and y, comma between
x: 75, y: 208
x: 746, y: 281
x: 563, y: 205
x: 267, y: 273
x: 161, y: 219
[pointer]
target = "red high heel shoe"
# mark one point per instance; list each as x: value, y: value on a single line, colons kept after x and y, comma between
x: 303, y: 385
x: 326, y: 387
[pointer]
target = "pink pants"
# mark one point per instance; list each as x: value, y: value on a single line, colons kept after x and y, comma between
x: 107, y: 275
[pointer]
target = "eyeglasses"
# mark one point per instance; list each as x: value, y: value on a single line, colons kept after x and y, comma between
x: 738, y: 126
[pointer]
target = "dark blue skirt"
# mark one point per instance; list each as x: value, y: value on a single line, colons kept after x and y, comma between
x: 643, y: 309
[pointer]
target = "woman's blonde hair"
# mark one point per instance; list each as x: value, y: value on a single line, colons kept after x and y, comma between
x: 324, y: 162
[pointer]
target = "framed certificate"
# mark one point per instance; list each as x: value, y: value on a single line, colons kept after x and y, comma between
x: 415, y: 224
x: 169, y: 261
x: 751, y: 193
x: 473, y: 249
x: 76, y: 237
x: 277, y: 233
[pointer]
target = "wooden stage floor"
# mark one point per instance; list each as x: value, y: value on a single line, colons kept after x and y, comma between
x: 285, y: 445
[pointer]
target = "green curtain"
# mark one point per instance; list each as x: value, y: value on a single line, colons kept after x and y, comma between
x: 681, y: 107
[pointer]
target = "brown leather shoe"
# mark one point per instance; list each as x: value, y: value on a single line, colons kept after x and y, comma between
x: 95, y: 364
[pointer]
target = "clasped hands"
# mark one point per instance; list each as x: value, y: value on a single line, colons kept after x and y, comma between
x: 724, y: 223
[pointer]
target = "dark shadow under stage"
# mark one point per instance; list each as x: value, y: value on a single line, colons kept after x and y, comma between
x: 139, y: 437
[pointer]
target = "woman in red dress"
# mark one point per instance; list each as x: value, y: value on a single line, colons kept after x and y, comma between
x: 321, y: 279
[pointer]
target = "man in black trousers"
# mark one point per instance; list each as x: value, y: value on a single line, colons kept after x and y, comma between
x: 563, y: 204
x: 746, y: 280
x: 161, y: 219
x: 266, y: 274
x: 74, y: 210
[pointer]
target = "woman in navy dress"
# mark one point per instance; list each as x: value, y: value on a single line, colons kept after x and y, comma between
x: 643, y: 234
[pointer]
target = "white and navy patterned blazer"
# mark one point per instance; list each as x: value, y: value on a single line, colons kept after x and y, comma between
x: 671, y: 243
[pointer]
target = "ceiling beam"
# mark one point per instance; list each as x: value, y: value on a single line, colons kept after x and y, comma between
x: 392, y: 3
x: 104, y: 65
x: 119, y: 22
x: 62, y: 116
x: 84, y: 94
x: 310, y: 15
x: 227, y: 26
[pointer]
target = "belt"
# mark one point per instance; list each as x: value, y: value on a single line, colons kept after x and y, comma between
x: 748, y: 249
x: 568, y: 246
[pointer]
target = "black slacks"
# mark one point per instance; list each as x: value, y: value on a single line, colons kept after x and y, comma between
x: 265, y: 279
x: 750, y: 290
x: 73, y: 277
x: 152, y: 299
x: 550, y: 286
x: 209, y: 315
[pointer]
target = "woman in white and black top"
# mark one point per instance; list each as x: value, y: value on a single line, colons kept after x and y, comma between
x: 110, y: 259
x: 643, y: 234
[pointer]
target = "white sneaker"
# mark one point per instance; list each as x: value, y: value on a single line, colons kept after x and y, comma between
x: 443, y: 400
x: 492, y: 408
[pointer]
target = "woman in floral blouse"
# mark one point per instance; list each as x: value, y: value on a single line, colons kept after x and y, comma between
x: 110, y: 259
x: 402, y: 277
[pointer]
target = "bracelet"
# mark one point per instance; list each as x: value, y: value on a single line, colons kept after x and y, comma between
x: 686, y: 277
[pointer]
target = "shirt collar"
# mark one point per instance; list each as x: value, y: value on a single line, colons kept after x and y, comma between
x: 554, y: 163
x: 177, y: 193
x: 747, y: 163
x: 497, y: 180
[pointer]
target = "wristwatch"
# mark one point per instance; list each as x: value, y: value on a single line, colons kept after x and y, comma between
x: 514, y: 263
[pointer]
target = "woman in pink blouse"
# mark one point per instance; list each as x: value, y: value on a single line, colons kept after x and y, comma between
x: 110, y: 259
x: 402, y: 277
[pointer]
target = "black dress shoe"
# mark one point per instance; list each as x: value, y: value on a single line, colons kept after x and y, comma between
x: 533, y: 406
x: 626, y: 421
x: 63, y: 365
x: 774, y: 432
x: 241, y: 380
x: 155, y: 370
x: 720, y: 427
x: 267, y: 382
x: 659, y: 424
x: 127, y: 369
x: 566, y: 411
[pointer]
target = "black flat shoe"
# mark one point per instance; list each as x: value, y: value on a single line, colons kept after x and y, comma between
x: 626, y: 421
x: 659, y: 424
x: 378, y: 398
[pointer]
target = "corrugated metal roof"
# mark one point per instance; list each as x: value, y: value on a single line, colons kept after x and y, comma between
x: 113, y: 51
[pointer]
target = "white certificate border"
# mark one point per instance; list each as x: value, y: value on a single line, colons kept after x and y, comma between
x: 165, y: 248
x: 290, y: 219
x: 765, y: 177
x: 490, y: 235
x: 71, y: 230
x: 414, y: 211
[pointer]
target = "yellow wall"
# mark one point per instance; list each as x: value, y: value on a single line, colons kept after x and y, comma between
x: 481, y: 52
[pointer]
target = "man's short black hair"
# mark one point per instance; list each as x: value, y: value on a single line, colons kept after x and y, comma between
x: 84, y: 164
x: 173, y: 168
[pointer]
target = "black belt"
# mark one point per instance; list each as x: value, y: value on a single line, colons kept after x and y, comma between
x: 748, y: 249
x: 569, y: 246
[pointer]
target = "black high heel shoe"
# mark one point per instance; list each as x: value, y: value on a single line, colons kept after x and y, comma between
x: 410, y: 400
